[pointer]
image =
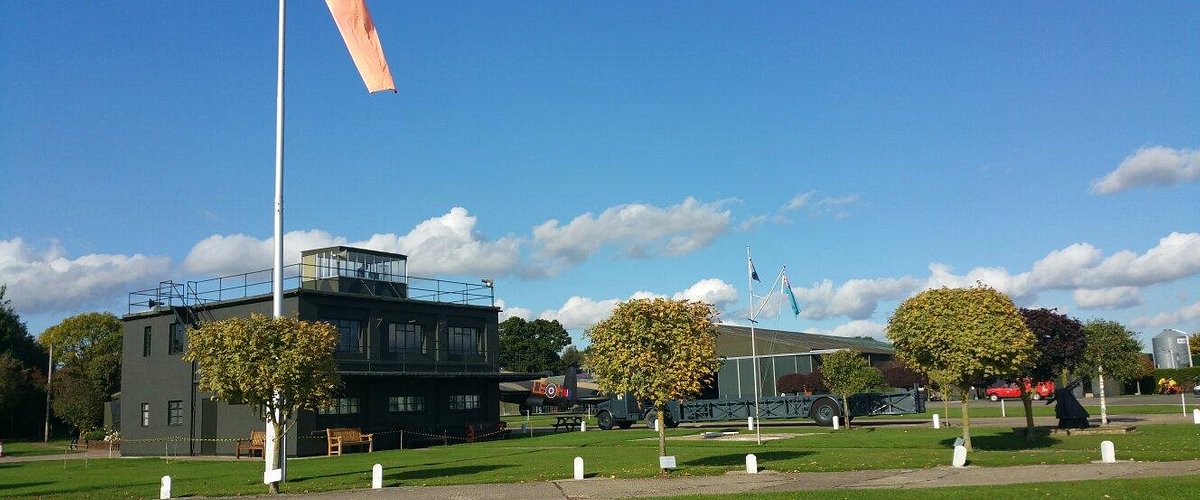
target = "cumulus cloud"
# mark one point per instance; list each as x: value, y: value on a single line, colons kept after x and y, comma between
x: 857, y: 328
x: 1120, y: 297
x: 1097, y: 281
x: 50, y: 281
x: 448, y: 244
x: 1169, y: 319
x: 512, y: 312
x: 797, y: 202
x: 634, y: 230
x: 1151, y: 166
x: 711, y: 290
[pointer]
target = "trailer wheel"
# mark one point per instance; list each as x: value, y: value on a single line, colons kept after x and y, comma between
x: 624, y: 424
x: 823, y: 412
x: 651, y: 417
x: 604, y: 420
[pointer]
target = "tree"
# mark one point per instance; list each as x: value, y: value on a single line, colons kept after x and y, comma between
x: 1194, y: 345
x: 22, y: 380
x: 279, y: 366
x: 531, y: 346
x: 897, y: 374
x: 15, y: 338
x: 78, y: 400
x: 847, y: 373
x: 962, y: 336
x: 658, y: 350
x: 90, y: 342
x: 1059, y: 346
x: 1112, y: 350
x: 571, y: 357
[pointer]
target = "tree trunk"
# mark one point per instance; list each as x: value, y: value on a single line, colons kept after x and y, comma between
x: 662, y: 432
x: 1027, y: 401
x: 1103, y: 403
x: 966, y: 420
x: 846, y: 412
x: 273, y: 460
x: 946, y: 407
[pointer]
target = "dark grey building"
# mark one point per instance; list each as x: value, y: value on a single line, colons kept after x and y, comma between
x: 414, y: 353
x: 779, y: 353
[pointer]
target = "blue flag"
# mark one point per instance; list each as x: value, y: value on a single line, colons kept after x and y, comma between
x: 753, y: 272
x: 787, y: 288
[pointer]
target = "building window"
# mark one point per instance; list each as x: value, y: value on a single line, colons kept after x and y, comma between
x: 399, y: 404
x: 407, y: 337
x: 465, y: 340
x: 146, y: 342
x: 145, y: 414
x: 464, y: 402
x: 349, y: 334
x: 175, y: 339
x: 341, y: 406
x: 175, y: 413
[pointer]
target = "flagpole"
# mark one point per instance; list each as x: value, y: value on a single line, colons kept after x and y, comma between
x: 753, y: 346
x: 271, y: 454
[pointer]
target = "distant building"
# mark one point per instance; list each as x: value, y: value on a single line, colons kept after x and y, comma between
x: 1171, y: 349
x: 414, y: 353
x: 779, y: 353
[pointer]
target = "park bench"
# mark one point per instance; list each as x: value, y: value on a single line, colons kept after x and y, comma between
x: 567, y: 422
x: 337, y: 438
x: 255, y: 443
x: 483, y: 432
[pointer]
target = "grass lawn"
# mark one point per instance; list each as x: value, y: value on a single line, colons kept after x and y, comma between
x: 1041, y: 409
x: 1156, y: 487
x: 31, y: 448
x: 627, y: 453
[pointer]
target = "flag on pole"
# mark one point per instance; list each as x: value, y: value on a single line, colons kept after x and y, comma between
x: 753, y: 272
x: 787, y: 288
x: 358, y: 30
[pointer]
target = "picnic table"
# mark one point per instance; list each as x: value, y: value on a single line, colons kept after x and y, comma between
x: 567, y: 422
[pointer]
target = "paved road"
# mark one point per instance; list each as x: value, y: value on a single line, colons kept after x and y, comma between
x: 734, y: 483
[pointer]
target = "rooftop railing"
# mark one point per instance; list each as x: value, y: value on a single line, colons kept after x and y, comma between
x: 203, y: 293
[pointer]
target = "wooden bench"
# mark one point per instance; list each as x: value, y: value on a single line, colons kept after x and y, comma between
x: 567, y: 422
x: 484, y: 432
x: 337, y: 438
x: 255, y: 443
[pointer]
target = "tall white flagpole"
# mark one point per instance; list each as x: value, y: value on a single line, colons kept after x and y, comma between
x: 270, y: 453
x: 753, y: 345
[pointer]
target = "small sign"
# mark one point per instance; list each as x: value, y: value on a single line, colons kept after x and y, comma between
x: 273, y: 476
x: 666, y: 462
x: 1181, y: 340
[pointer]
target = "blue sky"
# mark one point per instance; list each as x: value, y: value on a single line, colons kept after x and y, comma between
x: 588, y: 153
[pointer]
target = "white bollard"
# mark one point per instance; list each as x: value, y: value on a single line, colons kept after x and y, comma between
x: 750, y: 423
x: 751, y: 464
x: 1196, y: 416
x: 656, y: 423
x: 960, y: 456
x: 582, y: 426
x: 1108, y: 453
x: 836, y: 423
x: 377, y: 477
x: 937, y: 421
x: 578, y: 468
x: 164, y: 491
x: 1003, y: 412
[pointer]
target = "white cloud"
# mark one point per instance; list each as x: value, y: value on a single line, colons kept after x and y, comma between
x: 635, y: 230
x: 857, y: 328
x: 1120, y: 297
x: 581, y: 312
x: 1169, y: 319
x: 797, y: 202
x: 50, y: 281
x: 1151, y: 166
x: 447, y: 244
x: 856, y: 298
x: 711, y: 290
x: 752, y: 222
x: 512, y: 312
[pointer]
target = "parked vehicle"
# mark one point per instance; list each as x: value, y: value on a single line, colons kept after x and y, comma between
x: 1043, y: 389
x: 624, y: 411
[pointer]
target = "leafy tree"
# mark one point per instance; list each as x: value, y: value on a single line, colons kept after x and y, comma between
x: 1059, y: 346
x: 1194, y: 345
x: 571, y: 357
x: 847, y: 373
x: 90, y: 342
x: 658, y: 350
x: 15, y: 338
x: 1112, y: 350
x: 22, y: 381
x: 279, y: 366
x: 965, y: 335
x: 796, y: 383
x: 531, y: 346
x: 78, y: 400
x: 897, y: 374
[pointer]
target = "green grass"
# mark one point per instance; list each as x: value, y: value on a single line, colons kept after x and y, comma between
x: 625, y: 454
x: 1040, y: 409
x: 32, y: 448
x: 1157, y: 487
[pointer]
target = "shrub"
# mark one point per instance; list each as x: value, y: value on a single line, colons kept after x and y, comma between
x: 796, y: 383
x: 895, y: 374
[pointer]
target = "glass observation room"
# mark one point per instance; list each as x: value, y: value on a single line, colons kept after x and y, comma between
x: 354, y: 270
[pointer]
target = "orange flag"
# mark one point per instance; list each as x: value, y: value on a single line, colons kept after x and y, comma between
x: 354, y: 21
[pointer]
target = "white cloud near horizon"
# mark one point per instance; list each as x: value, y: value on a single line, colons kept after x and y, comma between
x: 1169, y: 319
x: 1151, y: 166
x: 1120, y: 297
x: 49, y: 280
x: 857, y: 328
x: 579, y: 313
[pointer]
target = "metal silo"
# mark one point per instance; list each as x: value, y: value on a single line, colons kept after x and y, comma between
x: 1171, y: 349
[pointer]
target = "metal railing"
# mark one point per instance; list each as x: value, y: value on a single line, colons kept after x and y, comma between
x: 205, y: 292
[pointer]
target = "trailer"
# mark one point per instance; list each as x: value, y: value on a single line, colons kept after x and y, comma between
x: 624, y: 411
